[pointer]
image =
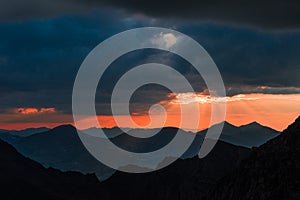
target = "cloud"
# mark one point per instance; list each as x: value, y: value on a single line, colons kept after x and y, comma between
x: 39, y: 65
x: 11, y: 10
x: 187, y: 98
x: 164, y: 40
x: 262, y: 90
x: 27, y: 111
x: 275, y: 14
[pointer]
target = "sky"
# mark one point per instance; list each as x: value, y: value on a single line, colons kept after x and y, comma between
x: 255, y: 46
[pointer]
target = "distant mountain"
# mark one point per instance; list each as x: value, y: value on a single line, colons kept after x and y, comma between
x: 142, y: 145
x: 271, y: 172
x: 111, y: 132
x: 22, y: 178
x: 184, y: 179
x: 250, y: 135
x: 3, y: 130
x: 60, y: 148
x: 26, y: 132
x: 228, y: 172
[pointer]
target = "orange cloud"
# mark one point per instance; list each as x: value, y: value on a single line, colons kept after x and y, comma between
x: 27, y: 111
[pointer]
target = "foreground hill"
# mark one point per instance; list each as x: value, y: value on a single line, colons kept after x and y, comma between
x: 271, y: 172
x: 22, y: 178
x: 184, y: 179
x: 60, y: 148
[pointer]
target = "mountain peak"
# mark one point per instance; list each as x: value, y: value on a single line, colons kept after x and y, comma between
x: 297, y: 121
x: 254, y: 123
x: 64, y: 126
x: 294, y: 126
x: 271, y: 171
x: 226, y: 123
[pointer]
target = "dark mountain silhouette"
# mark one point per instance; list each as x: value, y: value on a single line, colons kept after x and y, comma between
x: 184, y: 179
x: 139, y: 145
x: 277, y: 161
x: 250, y: 135
x: 271, y: 172
x: 25, y: 132
x: 60, y: 148
x: 22, y: 178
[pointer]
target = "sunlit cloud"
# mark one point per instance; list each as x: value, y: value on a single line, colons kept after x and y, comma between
x: 27, y: 111
x: 165, y: 40
x: 189, y: 97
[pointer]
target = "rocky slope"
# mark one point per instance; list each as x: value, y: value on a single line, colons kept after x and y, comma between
x: 271, y: 172
x: 184, y: 179
x: 22, y: 178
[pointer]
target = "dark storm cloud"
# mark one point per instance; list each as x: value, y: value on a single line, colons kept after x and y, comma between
x: 20, y: 9
x: 39, y: 59
x: 246, y: 89
x: 274, y: 14
x: 265, y: 14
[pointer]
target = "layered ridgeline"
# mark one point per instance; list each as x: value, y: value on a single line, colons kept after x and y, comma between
x: 22, y: 178
x: 62, y: 149
x: 271, y: 172
x: 25, y: 132
x: 189, y: 178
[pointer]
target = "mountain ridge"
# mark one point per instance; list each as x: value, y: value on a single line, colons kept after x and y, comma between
x: 61, y: 147
x: 272, y: 171
x: 22, y: 177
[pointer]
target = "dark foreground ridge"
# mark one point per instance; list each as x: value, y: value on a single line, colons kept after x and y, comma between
x: 22, y: 178
x: 271, y: 172
x: 184, y: 179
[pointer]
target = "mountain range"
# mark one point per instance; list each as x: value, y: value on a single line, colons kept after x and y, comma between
x: 22, y: 178
x: 24, y: 132
x: 61, y: 147
x: 270, y: 171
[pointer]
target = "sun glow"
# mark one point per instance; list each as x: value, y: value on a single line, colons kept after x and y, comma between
x: 274, y: 110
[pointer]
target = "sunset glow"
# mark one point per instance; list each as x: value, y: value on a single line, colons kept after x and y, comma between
x: 274, y: 110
